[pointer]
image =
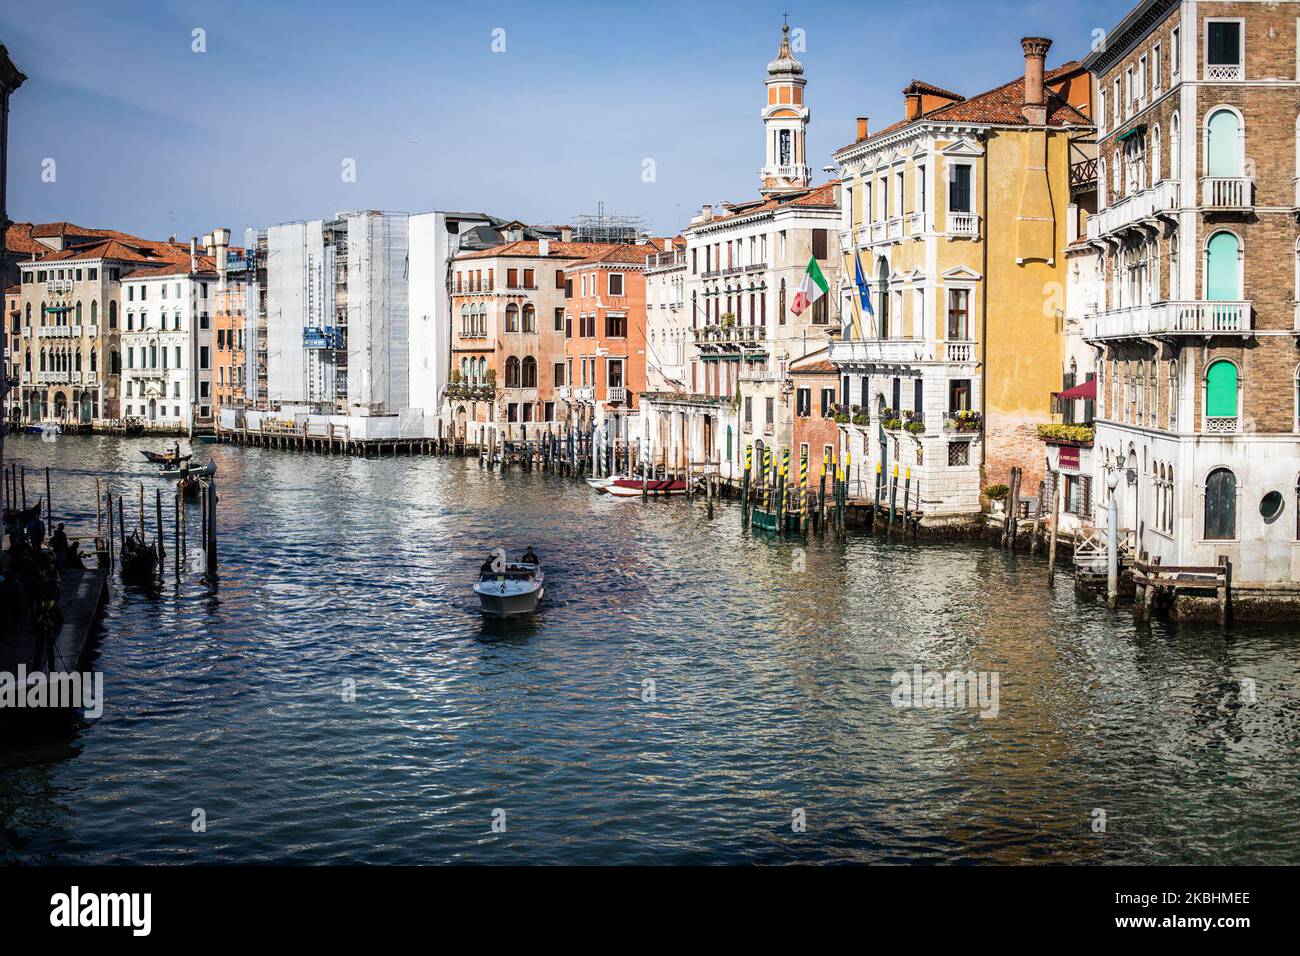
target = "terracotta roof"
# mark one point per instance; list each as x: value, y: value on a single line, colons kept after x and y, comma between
x: 816, y: 368
x: 530, y: 249
x: 817, y: 197
x: 207, y: 267
x: 1000, y: 106
x: 623, y: 252
x: 920, y: 86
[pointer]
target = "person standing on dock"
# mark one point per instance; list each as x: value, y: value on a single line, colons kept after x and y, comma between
x: 36, y: 532
x: 59, y: 545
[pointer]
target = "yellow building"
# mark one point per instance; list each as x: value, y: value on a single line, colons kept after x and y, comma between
x: 959, y: 215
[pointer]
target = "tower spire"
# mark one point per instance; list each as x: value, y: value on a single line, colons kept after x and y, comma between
x: 785, y: 121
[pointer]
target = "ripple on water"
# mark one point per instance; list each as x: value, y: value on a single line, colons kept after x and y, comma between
x: 771, y: 693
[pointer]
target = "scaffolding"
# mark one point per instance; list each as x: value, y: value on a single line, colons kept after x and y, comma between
x: 606, y: 227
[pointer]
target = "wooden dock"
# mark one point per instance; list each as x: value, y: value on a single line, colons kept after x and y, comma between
x: 81, y: 597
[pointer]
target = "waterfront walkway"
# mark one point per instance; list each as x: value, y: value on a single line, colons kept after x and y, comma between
x: 81, y: 596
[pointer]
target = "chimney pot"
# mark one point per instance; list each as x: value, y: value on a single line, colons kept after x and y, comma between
x: 1035, y: 107
x: 864, y: 123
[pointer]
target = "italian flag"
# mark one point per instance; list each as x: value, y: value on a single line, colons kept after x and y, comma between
x: 813, y: 287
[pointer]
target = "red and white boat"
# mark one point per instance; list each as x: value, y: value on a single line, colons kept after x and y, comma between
x: 631, y: 487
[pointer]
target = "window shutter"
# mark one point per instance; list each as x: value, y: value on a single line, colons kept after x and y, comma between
x: 819, y: 243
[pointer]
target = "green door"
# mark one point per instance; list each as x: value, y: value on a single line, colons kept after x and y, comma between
x: 1221, y: 390
x: 1222, y: 149
x: 1222, y: 282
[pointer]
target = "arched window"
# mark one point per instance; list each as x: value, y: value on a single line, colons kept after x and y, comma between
x: 1157, y: 172
x: 1141, y: 391
x: 1175, y: 143
x: 114, y: 359
x: 1223, y: 144
x: 94, y: 311
x: 77, y: 364
x: 1223, y: 268
x: 512, y: 318
x: 530, y: 318
x: 94, y: 363
x: 482, y: 371
x: 1221, y: 396
x: 1173, y: 394
x: 780, y: 304
x: 78, y: 312
x: 1220, y: 505
x: 112, y: 314
x: 512, y: 372
x: 42, y: 360
x: 1101, y: 183
x: 528, y: 372
x: 29, y: 313
x: 1114, y: 175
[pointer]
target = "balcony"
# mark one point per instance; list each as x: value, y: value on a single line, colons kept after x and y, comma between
x: 565, y: 393
x: 729, y: 334
x: 963, y: 225
x: 56, y: 378
x: 1171, y: 318
x: 616, y: 395
x: 894, y: 229
x: 55, y: 331
x: 1160, y: 199
x: 584, y: 393
x: 1226, y: 193
x: 58, y: 286
x: 1224, y: 72
x: 958, y: 351
x: 916, y: 225
x: 879, y: 351
x: 864, y: 234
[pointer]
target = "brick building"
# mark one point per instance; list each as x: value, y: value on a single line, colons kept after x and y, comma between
x: 603, y: 372
x: 508, y: 338
x: 1196, y: 242
x: 815, y: 432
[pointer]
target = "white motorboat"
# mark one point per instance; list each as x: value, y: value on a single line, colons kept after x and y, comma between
x: 603, y: 484
x: 515, y: 589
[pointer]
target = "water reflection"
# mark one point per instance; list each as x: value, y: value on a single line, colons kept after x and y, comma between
x: 683, y: 690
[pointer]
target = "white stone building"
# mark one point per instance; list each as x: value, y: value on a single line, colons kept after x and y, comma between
x: 167, y: 346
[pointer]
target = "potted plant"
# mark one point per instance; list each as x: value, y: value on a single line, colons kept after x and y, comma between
x: 997, y: 496
x: 914, y: 427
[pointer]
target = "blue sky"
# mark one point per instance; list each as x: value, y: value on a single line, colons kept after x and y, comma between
x: 153, y: 138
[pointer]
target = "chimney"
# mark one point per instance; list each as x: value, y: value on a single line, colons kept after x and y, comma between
x: 207, y: 243
x: 220, y: 243
x: 194, y: 254
x: 544, y: 247
x: 706, y: 212
x: 911, y: 105
x: 1035, y: 108
x: 863, y: 124
x: 566, y: 234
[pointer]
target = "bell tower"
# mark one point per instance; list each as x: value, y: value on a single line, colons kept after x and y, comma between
x: 785, y: 123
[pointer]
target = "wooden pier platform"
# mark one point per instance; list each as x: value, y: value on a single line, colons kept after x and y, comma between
x: 81, y: 597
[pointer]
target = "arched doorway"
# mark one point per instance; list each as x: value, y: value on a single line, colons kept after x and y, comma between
x: 60, y: 405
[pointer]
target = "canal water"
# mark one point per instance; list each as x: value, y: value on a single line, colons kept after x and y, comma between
x: 687, y: 694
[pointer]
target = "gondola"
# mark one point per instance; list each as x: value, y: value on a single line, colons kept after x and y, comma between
x: 139, y: 560
x: 164, y: 458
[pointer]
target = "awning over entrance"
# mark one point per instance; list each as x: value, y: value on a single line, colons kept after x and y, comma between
x: 1087, y: 391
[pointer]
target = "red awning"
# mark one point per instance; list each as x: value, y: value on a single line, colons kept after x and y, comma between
x: 1087, y: 391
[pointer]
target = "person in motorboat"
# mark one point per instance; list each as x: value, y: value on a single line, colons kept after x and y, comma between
x: 486, y: 570
x: 530, y: 557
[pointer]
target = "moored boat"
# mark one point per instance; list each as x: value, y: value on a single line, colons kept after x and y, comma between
x: 514, y: 590
x: 44, y: 428
x: 632, y: 487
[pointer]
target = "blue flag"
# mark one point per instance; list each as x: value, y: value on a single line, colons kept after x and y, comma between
x: 864, y: 288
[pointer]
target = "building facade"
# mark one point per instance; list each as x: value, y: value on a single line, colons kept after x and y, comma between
x: 508, y: 339
x: 1196, y: 241
x: 167, y: 346
x: 729, y: 344
x: 958, y: 217
x: 604, y: 369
